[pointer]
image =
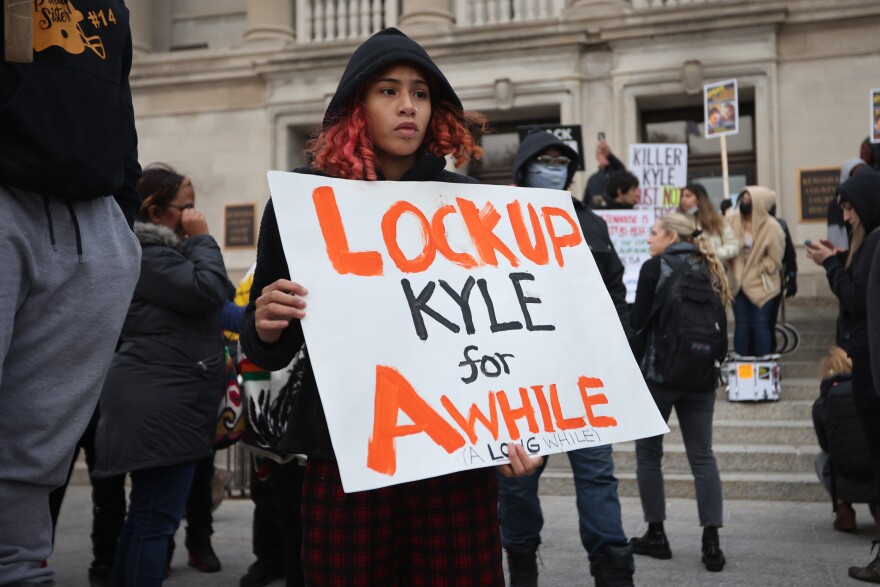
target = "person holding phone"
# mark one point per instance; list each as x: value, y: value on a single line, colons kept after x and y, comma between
x: 858, y: 197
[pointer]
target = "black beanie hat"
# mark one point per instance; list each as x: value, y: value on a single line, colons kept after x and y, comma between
x: 383, y: 49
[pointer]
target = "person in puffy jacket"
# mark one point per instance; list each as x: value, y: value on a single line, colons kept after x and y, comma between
x: 754, y: 275
x: 160, y: 399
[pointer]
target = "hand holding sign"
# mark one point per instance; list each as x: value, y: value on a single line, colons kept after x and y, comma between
x: 521, y: 464
x: 279, y: 303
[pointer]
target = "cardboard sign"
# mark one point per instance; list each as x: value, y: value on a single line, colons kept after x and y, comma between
x: 816, y: 187
x: 629, y: 230
x: 875, y: 116
x: 570, y: 134
x: 446, y: 321
x: 720, y: 109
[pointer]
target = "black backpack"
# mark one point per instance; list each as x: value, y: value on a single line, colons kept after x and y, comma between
x: 690, y: 335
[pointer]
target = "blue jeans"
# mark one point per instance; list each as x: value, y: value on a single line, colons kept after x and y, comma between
x: 751, y: 334
x: 597, y: 502
x: 156, y: 504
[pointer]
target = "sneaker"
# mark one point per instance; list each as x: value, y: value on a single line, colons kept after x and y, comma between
x: 614, y: 566
x: 871, y: 572
x: 522, y: 563
x: 653, y: 543
x: 261, y: 573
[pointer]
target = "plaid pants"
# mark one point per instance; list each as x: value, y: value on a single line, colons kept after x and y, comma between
x: 436, y: 532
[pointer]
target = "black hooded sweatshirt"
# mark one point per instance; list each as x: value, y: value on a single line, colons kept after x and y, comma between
x: 851, y: 285
x: 594, y: 228
x: 307, y: 432
x: 66, y: 120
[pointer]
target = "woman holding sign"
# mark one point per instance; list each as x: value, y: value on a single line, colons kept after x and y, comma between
x: 680, y: 300
x: 394, y: 116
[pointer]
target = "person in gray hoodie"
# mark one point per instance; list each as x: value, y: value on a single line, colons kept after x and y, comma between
x: 68, y: 168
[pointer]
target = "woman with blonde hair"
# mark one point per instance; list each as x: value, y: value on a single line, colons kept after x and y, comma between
x: 755, y: 272
x: 673, y: 242
x: 695, y: 202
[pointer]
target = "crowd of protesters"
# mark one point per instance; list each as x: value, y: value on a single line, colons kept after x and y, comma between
x: 138, y: 285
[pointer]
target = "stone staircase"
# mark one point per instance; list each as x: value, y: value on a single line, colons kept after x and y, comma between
x: 764, y: 450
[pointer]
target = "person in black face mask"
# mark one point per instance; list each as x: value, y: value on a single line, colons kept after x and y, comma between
x: 754, y: 276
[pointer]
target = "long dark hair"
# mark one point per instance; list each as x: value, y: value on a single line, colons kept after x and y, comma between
x: 158, y: 186
x: 707, y: 216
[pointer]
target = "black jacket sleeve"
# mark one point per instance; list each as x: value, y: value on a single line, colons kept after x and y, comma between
x: 127, y: 196
x: 873, y: 308
x: 193, y: 282
x: 271, y: 266
x: 850, y: 287
x: 640, y: 315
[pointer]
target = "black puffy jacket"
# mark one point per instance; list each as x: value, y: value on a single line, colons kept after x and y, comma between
x: 160, y: 399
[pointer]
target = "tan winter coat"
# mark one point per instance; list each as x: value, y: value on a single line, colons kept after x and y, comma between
x: 758, y: 278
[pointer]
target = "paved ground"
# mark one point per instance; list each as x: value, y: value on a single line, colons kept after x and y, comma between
x: 766, y: 543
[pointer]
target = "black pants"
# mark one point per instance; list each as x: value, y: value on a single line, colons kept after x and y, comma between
x: 868, y: 405
x: 277, y: 533
x: 108, y: 501
x: 199, y: 521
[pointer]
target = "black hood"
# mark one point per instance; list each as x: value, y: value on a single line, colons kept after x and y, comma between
x: 863, y: 191
x: 534, y: 143
x: 383, y: 49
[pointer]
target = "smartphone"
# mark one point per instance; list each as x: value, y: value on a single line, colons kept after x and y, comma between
x: 601, y: 136
x: 808, y: 243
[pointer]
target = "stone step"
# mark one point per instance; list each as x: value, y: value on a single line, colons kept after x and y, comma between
x: 794, y: 368
x: 803, y: 487
x: 784, y: 409
x: 740, y: 458
x: 795, y: 432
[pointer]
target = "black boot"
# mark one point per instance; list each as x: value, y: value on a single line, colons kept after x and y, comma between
x: 614, y: 566
x: 522, y: 562
x: 262, y: 572
x: 653, y: 543
x: 713, y: 558
x: 201, y: 555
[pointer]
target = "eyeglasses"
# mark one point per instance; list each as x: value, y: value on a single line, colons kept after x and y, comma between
x: 179, y: 207
x: 561, y: 160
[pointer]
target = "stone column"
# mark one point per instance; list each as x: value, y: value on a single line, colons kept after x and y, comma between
x: 140, y: 18
x: 426, y: 16
x: 269, y: 21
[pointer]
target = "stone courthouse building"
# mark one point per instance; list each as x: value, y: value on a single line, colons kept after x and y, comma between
x: 226, y: 89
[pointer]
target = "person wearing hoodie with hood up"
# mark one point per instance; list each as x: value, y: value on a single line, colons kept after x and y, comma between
x: 754, y: 276
x: 394, y: 117
x: 838, y: 230
x: 850, y: 281
x: 543, y: 161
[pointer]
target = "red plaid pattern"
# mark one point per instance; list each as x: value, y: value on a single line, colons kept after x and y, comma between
x: 440, y: 532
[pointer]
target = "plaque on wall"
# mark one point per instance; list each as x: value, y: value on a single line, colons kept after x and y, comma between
x: 240, y: 226
x: 816, y: 187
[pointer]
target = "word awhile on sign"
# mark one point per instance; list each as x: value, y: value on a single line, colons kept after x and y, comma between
x: 533, y: 238
x: 395, y: 395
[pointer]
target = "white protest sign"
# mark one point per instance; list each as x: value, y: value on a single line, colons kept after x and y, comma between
x: 661, y: 170
x: 720, y: 109
x: 445, y: 321
x: 629, y: 230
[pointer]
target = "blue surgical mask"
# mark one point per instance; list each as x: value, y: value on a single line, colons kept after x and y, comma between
x: 552, y: 177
